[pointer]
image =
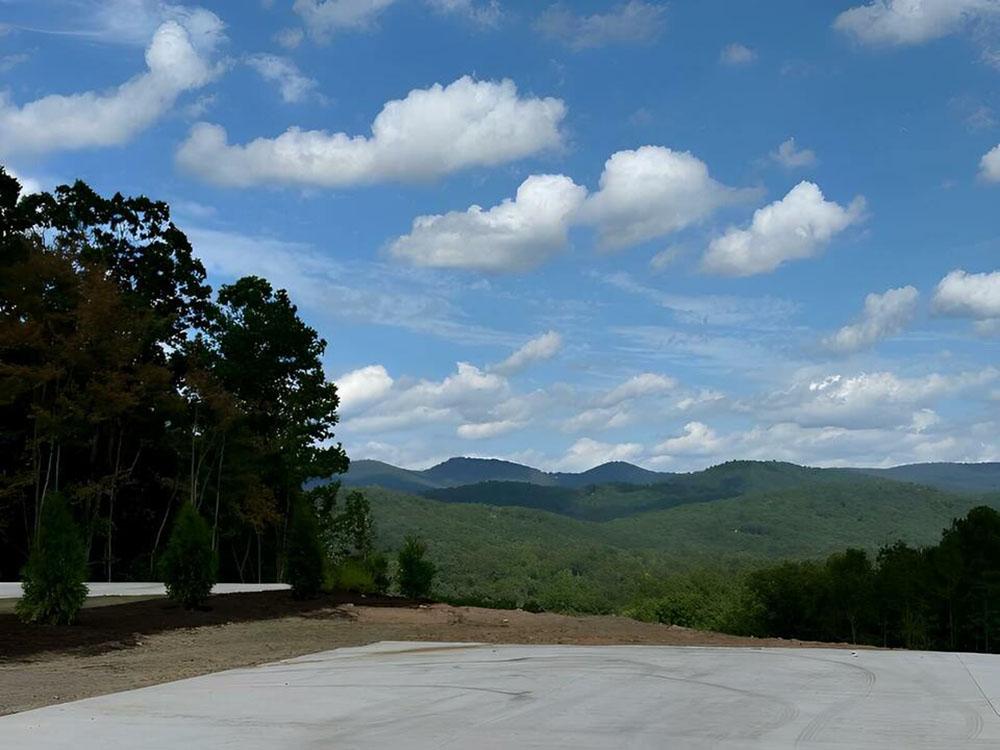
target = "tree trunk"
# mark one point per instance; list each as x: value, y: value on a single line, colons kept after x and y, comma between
x: 218, y: 494
x: 111, y: 504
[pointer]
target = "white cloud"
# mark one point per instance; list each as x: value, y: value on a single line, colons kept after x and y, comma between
x: 906, y: 22
x: 484, y: 430
x: 884, y: 315
x: 587, y: 453
x: 537, y: 349
x: 737, y: 54
x: 372, y: 293
x: 486, y: 14
x: 698, y: 440
x: 362, y: 386
x: 709, y: 309
x: 989, y: 165
x: 620, y: 406
x: 798, y: 226
x: 9, y: 62
x: 294, y: 86
x: 516, y: 235
x: 175, y: 64
x: 134, y: 22
x: 666, y: 258
x: 644, y: 384
x: 324, y: 17
x: 876, y: 399
x: 469, y: 396
x: 790, y: 156
x: 289, y: 38
x: 600, y: 418
x: 971, y: 295
x: 432, y: 132
x: 633, y: 22
x: 651, y: 192
x: 29, y: 185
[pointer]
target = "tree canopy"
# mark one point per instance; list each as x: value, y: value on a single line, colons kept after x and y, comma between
x: 130, y: 387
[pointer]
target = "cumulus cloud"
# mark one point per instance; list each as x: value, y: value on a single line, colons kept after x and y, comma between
x: 989, y: 165
x: 737, y: 54
x: 798, y: 226
x: 484, y: 430
x: 324, y: 17
x: 469, y: 396
x: 698, y: 440
x: 632, y: 22
x: 587, y: 453
x: 285, y: 74
x: 429, y: 133
x: 515, y: 235
x: 651, y: 192
x: 971, y: 295
x: 362, y: 386
x: 907, y: 22
x: 875, y: 399
x: 884, y: 315
x: 790, y: 156
x: 537, y: 349
x: 177, y: 60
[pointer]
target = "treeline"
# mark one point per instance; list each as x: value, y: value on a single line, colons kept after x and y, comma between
x: 941, y: 597
x: 128, y: 389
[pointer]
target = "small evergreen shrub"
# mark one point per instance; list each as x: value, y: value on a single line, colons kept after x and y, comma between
x: 415, y: 575
x: 189, y: 565
x: 54, y: 577
x: 305, y: 552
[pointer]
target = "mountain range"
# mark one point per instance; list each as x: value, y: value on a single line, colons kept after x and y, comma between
x: 463, y: 472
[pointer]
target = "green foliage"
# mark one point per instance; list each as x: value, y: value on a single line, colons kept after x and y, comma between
x: 415, y: 575
x: 378, y: 565
x: 352, y: 531
x: 53, y: 579
x: 189, y: 565
x: 124, y: 383
x: 941, y: 596
x: 517, y: 554
x: 352, y: 575
x: 702, y: 599
x: 306, y: 559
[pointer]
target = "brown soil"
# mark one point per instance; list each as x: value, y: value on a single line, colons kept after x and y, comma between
x: 141, y: 643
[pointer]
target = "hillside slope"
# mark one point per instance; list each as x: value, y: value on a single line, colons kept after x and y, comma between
x: 983, y: 477
x: 603, y: 502
x: 519, y: 555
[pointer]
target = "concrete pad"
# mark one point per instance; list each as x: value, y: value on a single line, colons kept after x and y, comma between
x: 396, y: 695
x: 12, y: 589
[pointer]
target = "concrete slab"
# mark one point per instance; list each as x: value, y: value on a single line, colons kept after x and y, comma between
x: 414, y: 696
x: 12, y: 589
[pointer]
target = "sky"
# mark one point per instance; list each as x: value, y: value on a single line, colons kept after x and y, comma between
x: 566, y: 233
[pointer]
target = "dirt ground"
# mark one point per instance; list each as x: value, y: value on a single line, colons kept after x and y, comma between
x: 140, y: 643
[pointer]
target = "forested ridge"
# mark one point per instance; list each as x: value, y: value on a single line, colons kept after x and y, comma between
x: 129, y: 387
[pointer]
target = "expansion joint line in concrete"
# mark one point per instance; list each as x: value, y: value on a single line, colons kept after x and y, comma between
x: 978, y: 686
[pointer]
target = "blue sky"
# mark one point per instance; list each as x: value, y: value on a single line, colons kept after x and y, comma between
x: 670, y: 233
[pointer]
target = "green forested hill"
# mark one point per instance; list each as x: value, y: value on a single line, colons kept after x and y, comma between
x: 602, y: 502
x: 984, y: 477
x: 522, y: 555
